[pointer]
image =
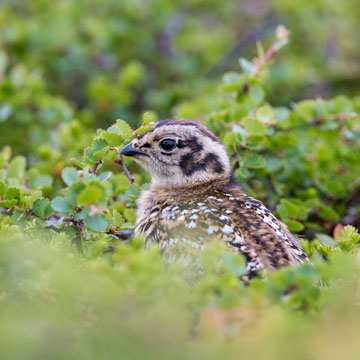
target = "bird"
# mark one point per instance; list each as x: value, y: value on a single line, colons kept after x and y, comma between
x: 193, y: 199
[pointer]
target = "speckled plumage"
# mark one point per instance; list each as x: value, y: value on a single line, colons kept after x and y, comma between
x: 198, y: 201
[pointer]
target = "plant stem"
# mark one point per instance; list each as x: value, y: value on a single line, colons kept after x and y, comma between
x: 121, y: 162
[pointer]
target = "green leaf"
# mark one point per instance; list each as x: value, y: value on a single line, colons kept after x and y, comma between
x: 254, y: 141
x: 350, y: 233
x: 112, y: 138
x: 72, y: 193
x: 144, y: 130
x: 6, y: 111
x: 17, y: 167
x: 81, y: 215
x: 246, y: 65
x: 149, y: 117
x: 104, y: 176
x: 257, y: 94
x: 96, y: 146
x: 242, y: 173
x: 342, y: 104
x: 8, y: 203
x: 273, y: 164
x: 232, y: 140
x: 254, y: 161
x: 69, y: 175
x: 305, y: 110
x: 12, y: 193
x: 11, y: 196
x: 120, y: 183
x: 254, y: 127
x: 78, y: 163
x: 232, y: 81
x: 43, y: 180
x: 60, y: 205
x: 117, y: 219
x: 6, y: 153
x: 235, y: 263
x: 42, y: 208
x: 265, y: 114
x: 130, y: 215
x: 326, y: 239
x: 231, y: 77
x: 294, y: 225
x: 124, y: 129
x: 260, y: 50
x: 100, y: 154
x: 292, y: 209
x: 327, y: 212
x: 89, y: 195
x: 281, y: 113
x: 96, y: 223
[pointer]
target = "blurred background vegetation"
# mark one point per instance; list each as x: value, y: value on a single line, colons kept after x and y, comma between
x: 102, y: 60
x: 70, y: 68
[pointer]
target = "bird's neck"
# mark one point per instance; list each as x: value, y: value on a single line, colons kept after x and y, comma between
x: 190, y: 189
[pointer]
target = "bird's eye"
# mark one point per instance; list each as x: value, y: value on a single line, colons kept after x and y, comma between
x: 168, y: 144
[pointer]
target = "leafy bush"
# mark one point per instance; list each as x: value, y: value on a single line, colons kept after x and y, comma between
x: 73, y: 281
x: 126, y: 304
x: 113, y: 59
x: 301, y: 161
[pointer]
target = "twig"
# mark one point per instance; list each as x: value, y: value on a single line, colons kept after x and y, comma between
x: 339, y: 116
x: 121, y: 162
x: 121, y: 234
x: 96, y: 165
x: 282, y: 35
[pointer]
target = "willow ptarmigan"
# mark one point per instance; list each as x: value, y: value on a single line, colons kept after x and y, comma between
x: 193, y: 199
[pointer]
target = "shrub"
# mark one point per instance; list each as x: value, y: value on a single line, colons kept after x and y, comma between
x: 72, y: 285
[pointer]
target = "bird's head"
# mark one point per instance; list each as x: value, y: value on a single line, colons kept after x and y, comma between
x: 180, y: 153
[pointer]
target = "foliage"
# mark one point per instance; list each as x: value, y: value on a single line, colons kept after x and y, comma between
x: 96, y: 61
x: 73, y: 281
x: 126, y: 304
x: 301, y: 161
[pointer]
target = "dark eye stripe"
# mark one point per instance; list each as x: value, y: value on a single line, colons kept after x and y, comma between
x: 210, y: 162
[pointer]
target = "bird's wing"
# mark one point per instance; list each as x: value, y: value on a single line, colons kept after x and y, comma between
x: 269, y: 237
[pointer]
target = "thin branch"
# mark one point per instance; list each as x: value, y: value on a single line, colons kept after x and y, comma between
x: 121, y: 162
x: 282, y: 35
x: 96, y: 165
x: 121, y: 234
x: 339, y: 116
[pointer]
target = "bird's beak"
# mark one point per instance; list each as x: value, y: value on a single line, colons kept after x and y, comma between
x: 128, y: 150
